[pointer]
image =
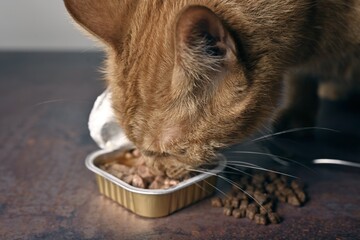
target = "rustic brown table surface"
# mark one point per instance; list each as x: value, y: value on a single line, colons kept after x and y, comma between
x: 47, y: 193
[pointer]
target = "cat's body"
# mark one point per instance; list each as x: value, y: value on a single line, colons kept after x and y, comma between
x: 191, y: 76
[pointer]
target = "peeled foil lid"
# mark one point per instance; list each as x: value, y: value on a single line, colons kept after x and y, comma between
x: 103, y: 126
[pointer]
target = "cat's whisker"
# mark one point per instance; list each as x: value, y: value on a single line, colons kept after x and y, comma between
x: 238, y: 170
x: 291, y: 131
x: 59, y: 100
x: 262, y: 169
x: 231, y: 182
x: 273, y: 155
x: 216, y: 188
x: 250, y: 164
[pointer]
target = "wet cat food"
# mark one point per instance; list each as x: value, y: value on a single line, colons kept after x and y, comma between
x: 139, y: 175
x: 132, y: 185
x: 262, y: 192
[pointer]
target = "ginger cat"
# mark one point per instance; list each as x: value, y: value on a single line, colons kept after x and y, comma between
x: 191, y: 76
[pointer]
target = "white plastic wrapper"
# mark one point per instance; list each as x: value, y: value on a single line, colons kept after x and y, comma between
x: 103, y: 125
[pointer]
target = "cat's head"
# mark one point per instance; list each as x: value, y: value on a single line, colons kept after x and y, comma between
x: 186, y: 79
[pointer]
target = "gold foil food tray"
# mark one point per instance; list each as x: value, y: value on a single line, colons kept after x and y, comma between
x: 147, y: 202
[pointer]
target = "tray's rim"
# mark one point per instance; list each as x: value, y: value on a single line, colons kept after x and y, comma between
x: 89, y: 162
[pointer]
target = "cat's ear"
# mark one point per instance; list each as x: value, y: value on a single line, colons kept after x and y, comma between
x: 100, y: 18
x: 203, y: 44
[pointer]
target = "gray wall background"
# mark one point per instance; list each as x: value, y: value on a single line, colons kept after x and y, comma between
x: 39, y: 25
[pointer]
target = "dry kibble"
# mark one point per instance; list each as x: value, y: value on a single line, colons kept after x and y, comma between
x: 293, y: 200
x: 296, y: 185
x: 241, y: 196
x: 227, y: 202
x: 283, y: 178
x: 301, y: 196
x: 287, y: 191
x: 250, y: 188
x: 260, y: 219
x: 216, y: 202
x: 268, y: 207
x: 280, y: 185
x: 258, y: 178
x: 263, y: 191
x: 282, y: 198
x: 270, y: 188
x: 273, y: 218
x: 244, y: 204
x: 263, y: 210
x: 235, y: 203
x: 272, y: 176
x: 227, y: 211
x: 260, y: 197
x: 239, y: 213
x: 251, y: 210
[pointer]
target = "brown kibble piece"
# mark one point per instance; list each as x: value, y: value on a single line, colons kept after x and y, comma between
x: 258, y: 179
x: 265, y: 190
x: 235, y: 203
x: 227, y: 211
x: 272, y: 176
x: 293, y: 200
x: 281, y: 198
x: 280, y: 186
x: 267, y: 208
x: 241, y: 196
x: 227, y: 202
x: 301, y: 196
x: 216, y: 202
x: 269, y: 205
x: 287, y: 191
x: 244, y: 204
x: 274, y: 218
x: 270, y: 188
x: 283, y: 178
x: 239, y: 213
x: 260, y: 197
x: 251, y: 210
x: 250, y: 188
x: 297, y: 185
x: 260, y: 219
x: 263, y: 210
